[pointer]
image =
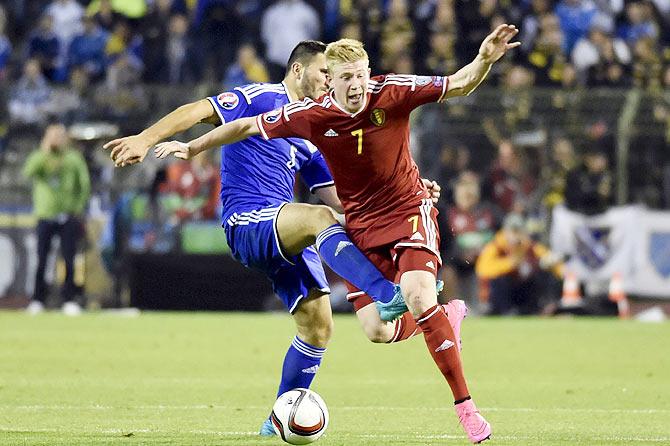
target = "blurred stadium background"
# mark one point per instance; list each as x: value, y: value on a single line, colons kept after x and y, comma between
x: 590, y: 86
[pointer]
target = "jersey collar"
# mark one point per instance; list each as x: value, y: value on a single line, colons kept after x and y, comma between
x: 365, y: 104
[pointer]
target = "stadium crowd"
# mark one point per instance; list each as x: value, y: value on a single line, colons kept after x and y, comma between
x: 80, y: 60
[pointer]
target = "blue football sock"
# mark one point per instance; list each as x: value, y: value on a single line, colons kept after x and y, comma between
x: 349, y: 262
x: 300, y: 365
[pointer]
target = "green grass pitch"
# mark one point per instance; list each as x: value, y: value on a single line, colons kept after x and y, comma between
x: 209, y: 379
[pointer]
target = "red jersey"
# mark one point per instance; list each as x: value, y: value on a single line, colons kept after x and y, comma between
x: 367, y: 151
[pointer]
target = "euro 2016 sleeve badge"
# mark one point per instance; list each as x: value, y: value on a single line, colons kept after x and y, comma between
x: 228, y: 100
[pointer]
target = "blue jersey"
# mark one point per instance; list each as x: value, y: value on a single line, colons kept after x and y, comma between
x: 256, y: 173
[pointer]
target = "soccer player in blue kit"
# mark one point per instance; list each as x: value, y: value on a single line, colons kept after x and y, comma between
x: 267, y: 231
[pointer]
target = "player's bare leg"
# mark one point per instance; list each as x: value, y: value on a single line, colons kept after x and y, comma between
x: 314, y: 319
x: 301, y: 225
x: 314, y: 323
x: 419, y: 290
x: 405, y: 327
x: 298, y: 225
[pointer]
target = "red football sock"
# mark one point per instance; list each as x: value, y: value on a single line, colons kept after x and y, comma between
x: 405, y: 328
x: 441, y: 342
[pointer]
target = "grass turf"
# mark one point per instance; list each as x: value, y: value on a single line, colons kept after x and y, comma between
x: 209, y: 379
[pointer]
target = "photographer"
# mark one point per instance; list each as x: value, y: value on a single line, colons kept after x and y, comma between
x: 61, y: 189
x: 513, y: 263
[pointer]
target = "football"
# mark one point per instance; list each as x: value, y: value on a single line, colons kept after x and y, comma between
x: 299, y: 416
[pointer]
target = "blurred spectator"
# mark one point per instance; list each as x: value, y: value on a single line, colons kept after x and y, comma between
x: 30, y: 100
x: 397, y: 34
x: 508, y: 184
x: 44, y: 46
x: 191, y: 191
x: 514, y: 106
x: 61, y: 189
x: 67, y: 16
x: 5, y: 45
x: 87, y: 50
x: 575, y: 18
x: 247, y: 68
x: 72, y: 102
x: 105, y: 15
x: 640, y: 23
x: 367, y: 16
x: 154, y: 35
x: 600, y: 59
x: 530, y: 24
x: 219, y: 31
x: 470, y: 225
x: 589, y: 186
x: 177, y: 49
x: 122, y: 95
x: 548, y: 56
x: 648, y: 66
x: 512, y: 263
x: 297, y: 21
x: 446, y: 168
x: 441, y: 57
x: 123, y: 42
x: 475, y: 23
x: 555, y: 172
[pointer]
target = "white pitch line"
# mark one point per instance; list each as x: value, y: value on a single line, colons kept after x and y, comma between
x: 29, y: 430
x: 356, y: 408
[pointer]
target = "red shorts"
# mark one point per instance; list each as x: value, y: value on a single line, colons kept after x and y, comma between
x: 414, y: 247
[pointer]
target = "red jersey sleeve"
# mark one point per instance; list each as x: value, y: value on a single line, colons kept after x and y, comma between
x: 291, y: 121
x: 411, y: 91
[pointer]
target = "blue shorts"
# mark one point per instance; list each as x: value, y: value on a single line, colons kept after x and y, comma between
x: 252, y: 237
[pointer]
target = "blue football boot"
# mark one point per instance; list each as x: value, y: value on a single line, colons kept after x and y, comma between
x: 267, y: 430
x: 394, y: 308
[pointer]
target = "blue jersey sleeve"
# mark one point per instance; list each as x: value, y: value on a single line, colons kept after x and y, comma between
x: 230, y: 105
x: 315, y: 173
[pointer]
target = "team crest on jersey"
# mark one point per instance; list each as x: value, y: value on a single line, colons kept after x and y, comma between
x: 438, y: 81
x: 423, y: 80
x: 272, y: 117
x: 378, y: 117
x: 228, y: 100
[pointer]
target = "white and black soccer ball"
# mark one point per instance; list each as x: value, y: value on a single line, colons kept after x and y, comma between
x: 299, y: 416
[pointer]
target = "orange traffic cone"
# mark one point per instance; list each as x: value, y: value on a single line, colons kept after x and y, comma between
x: 572, y: 295
x: 618, y: 295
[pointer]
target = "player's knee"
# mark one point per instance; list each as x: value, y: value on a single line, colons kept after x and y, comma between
x: 322, y: 217
x: 419, y: 296
x: 376, y: 333
x: 319, y: 332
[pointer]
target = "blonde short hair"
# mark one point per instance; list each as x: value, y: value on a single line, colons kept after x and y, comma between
x: 345, y: 51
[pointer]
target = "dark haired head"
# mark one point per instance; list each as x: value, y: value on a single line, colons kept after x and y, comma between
x: 304, y: 51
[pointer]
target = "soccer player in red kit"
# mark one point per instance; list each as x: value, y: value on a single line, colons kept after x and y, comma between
x: 362, y: 130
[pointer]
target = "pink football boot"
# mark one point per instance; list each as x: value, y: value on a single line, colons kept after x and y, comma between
x: 473, y: 423
x: 456, y: 311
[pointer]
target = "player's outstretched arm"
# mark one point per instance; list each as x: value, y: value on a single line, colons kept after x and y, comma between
x: 133, y: 149
x: 496, y: 44
x: 226, y: 134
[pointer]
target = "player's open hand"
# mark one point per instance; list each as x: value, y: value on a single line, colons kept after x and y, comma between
x: 433, y: 189
x: 127, y: 150
x: 179, y: 149
x: 498, y: 42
